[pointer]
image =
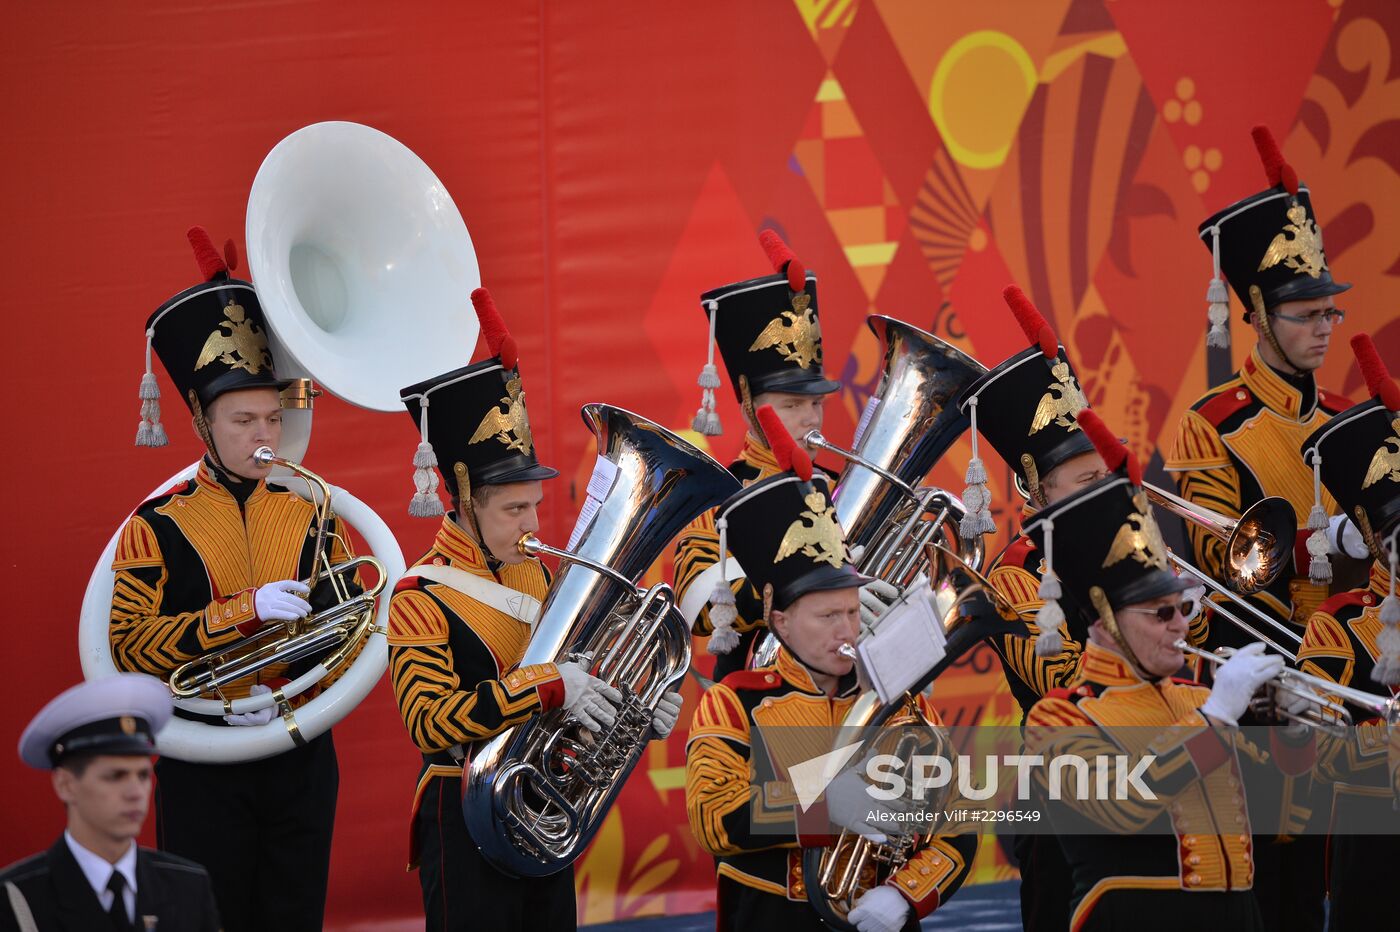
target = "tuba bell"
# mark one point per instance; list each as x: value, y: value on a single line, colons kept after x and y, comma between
x: 362, y: 265
x: 534, y: 795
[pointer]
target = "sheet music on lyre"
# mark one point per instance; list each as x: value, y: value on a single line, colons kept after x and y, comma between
x: 908, y: 641
x: 599, y: 485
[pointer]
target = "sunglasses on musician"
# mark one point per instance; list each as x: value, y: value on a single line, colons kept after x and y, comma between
x: 1165, y: 613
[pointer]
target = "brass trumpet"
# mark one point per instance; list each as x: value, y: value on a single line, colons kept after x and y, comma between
x: 1325, y: 711
x: 1257, y: 543
x: 339, y: 629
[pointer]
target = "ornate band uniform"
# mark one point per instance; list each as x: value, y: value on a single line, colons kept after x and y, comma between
x: 1186, y: 856
x: 784, y: 533
x: 187, y: 566
x: 1344, y: 643
x: 1239, y: 441
x: 453, y: 658
x: 769, y: 335
x: 70, y: 888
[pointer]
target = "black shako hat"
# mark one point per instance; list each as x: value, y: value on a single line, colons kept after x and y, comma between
x: 1270, y: 241
x: 768, y: 332
x: 211, y: 339
x: 1026, y: 406
x: 473, y: 424
x: 1357, y: 453
x: 783, y: 529
x: 1110, y: 551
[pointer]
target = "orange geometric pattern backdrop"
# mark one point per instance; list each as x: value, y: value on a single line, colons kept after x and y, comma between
x: 613, y: 161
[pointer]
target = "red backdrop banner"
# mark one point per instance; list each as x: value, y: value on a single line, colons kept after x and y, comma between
x: 612, y: 161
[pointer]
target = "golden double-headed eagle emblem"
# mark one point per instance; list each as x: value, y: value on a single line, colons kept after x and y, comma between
x: 1385, y: 462
x: 795, y: 334
x: 821, y: 540
x: 1302, y: 250
x: 1139, y: 538
x: 511, y: 426
x: 1061, y: 401
x: 244, y: 346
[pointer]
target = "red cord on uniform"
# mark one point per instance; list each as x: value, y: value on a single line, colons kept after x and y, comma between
x: 789, y: 455
x: 783, y: 259
x: 1276, y: 170
x: 1373, y: 369
x: 1111, y: 449
x: 1036, y: 328
x: 499, y: 342
x: 210, y: 262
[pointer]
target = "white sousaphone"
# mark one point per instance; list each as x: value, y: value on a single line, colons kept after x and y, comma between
x: 363, y: 267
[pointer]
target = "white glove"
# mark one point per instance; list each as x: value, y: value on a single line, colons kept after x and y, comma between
x: 284, y: 600
x: 588, y: 700
x: 1238, y: 679
x: 880, y: 910
x: 260, y: 717
x: 850, y: 806
x: 1343, y: 537
x: 663, y: 720
x: 876, y: 597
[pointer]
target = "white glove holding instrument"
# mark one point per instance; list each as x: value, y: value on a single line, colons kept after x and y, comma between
x: 1238, y: 679
x: 880, y: 910
x: 1345, y: 538
x: 588, y: 700
x: 284, y: 600
x: 876, y: 597
x: 260, y: 717
x: 850, y: 806
x: 668, y: 710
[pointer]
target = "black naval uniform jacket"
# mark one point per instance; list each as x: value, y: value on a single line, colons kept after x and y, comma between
x: 172, y: 894
x: 722, y: 807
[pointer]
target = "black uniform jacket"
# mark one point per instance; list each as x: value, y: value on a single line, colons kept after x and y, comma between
x: 172, y: 894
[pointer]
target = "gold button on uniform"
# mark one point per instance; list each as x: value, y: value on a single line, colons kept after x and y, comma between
x: 1193, y: 879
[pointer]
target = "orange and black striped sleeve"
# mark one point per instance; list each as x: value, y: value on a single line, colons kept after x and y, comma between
x: 146, y: 639
x: 719, y: 790
x: 696, y: 551
x: 1038, y: 674
x: 441, y: 707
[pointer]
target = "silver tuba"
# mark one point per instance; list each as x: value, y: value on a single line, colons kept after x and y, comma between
x: 907, y: 425
x: 535, y: 794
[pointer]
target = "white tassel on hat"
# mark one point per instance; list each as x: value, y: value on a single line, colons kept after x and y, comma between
x: 977, y: 520
x: 1048, y: 619
x: 1218, y: 298
x: 706, y: 420
x: 425, y: 502
x: 150, y: 432
x: 723, y: 614
x: 1387, y: 669
x: 1319, y: 568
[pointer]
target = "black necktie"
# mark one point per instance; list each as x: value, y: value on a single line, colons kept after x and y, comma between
x: 117, y: 911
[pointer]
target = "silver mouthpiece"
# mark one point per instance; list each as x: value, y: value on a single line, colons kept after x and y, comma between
x: 847, y: 651
x: 264, y: 456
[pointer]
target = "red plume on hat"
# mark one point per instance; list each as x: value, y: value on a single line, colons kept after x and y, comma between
x: 785, y: 450
x: 1276, y: 170
x: 211, y: 264
x: 1373, y: 368
x: 493, y: 329
x: 1114, y: 453
x: 1036, y: 328
x: 784, y: 262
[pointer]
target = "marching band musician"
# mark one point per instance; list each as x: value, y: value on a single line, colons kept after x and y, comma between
x: 1167, y: 861
x: 459, y: 622
x: 769, y: 336
x: 207, y: 563
x: 783, y: 530
x: 1025, y: 408
x: 1237, y: 444
x: 98, y: 739
x: 1354, y: 640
